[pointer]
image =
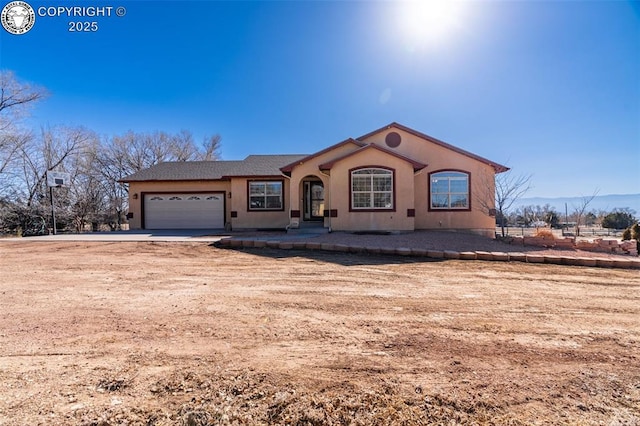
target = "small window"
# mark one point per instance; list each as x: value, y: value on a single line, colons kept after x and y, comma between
x: 156, y: 198
x: 194, y: 198
x: 213, y: 198
x: 175, y: 198
x: 372, y: 189
x: 449, y: 190
x: 266, y: 195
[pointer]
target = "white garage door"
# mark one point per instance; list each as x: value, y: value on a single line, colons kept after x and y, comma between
x: 184, y: 211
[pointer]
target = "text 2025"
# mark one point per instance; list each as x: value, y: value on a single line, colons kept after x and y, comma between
x: 86, y: 27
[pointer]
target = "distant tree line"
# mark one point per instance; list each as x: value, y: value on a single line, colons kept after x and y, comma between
x: 94, y: 198
x: 509, y: 188
x: 539, y: 216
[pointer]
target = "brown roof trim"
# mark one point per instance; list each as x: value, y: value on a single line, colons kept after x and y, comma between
x: 289, y: 167
x: 416, y: 164
x: 280, y: 176
x: 221, y: 179
x: 499, y: 168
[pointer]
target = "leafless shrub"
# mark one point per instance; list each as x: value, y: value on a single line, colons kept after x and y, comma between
x: 545, y: 234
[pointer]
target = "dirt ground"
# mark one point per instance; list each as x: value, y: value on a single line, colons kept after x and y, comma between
x: 189, y: 334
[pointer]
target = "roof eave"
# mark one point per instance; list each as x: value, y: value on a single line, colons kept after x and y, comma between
x: 223, y: 178
x: 262, y: 176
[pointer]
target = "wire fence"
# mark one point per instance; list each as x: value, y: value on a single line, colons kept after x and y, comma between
x: 588, y: 232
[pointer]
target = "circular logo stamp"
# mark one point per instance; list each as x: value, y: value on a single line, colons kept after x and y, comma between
x: 18, y: 17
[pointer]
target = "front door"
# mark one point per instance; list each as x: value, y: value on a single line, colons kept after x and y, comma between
x: 313, y: 200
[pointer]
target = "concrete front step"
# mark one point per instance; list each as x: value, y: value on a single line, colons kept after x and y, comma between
x: 308, y: 229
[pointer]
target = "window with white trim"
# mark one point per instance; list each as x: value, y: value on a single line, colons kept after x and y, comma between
x: 449, y: 190
x: 265, y: 195
x: 372, y: 188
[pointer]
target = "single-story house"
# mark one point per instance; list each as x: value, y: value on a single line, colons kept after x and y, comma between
x: 392, y: 179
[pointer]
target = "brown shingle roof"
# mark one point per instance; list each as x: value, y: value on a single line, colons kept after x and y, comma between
x: 266, y: 165
x: 253, y: 165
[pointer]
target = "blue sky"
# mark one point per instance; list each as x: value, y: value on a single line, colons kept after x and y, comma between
x: 549, y: 88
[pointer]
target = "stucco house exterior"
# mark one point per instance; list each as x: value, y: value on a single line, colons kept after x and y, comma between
x: 392, y: 179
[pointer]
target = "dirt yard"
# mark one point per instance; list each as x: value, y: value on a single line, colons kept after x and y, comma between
x: 188, y: 334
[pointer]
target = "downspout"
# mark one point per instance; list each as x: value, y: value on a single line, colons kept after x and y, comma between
x: 288, y: 177
x: 329, y: 201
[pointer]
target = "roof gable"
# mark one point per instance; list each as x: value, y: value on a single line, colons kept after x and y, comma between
x: 290, y: 167
x: 499, y: 168
x: 415, y: 164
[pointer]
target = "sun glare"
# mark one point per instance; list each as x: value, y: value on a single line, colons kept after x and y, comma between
x: 428, y: 21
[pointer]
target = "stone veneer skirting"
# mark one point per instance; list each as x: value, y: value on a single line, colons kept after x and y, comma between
x: 630, y: 263
x: 628, y: 247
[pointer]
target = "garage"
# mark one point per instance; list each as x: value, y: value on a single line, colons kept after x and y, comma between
x: 184, y: 211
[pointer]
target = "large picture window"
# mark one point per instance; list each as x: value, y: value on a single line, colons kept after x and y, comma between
x: 449, y: 190
x: 372, y: 189
x: 265, y: 195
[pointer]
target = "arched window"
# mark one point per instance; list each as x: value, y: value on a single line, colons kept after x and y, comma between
x: 372, y: 189
x: 449, y: 190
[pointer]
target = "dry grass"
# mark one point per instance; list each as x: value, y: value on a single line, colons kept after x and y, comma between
x: 250, y: 398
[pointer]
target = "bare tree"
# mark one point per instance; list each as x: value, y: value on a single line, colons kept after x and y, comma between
x: 508, y: 189
x: 55, y: 149
x: 86, y: 196
x: 137, y: 151
x: 181, y: 146
x: 211, y: 148
x: 581, y: 209
x: 10, y: 145
x: 16, y: 97
x: 112, y: 163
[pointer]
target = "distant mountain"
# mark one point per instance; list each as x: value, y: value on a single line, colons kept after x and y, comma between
x: 600, y: 202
